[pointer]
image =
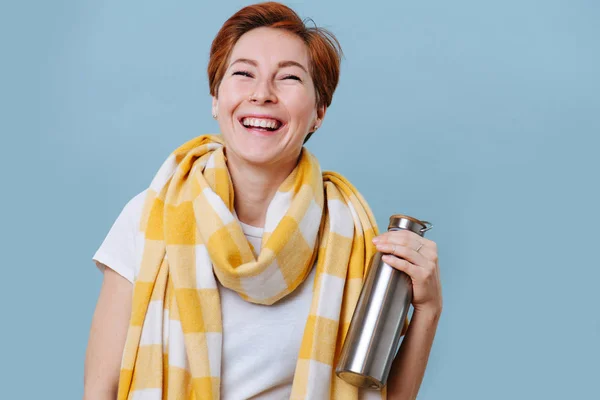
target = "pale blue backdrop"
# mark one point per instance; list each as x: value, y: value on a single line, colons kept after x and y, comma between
x: 482, y: 117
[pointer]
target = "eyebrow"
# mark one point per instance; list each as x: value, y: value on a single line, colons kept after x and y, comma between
x: 281, y: 64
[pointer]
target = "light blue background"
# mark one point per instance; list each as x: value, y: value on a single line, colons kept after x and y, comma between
x: 481, y: 117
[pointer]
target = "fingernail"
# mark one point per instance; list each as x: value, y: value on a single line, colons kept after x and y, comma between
x: 376, y: 240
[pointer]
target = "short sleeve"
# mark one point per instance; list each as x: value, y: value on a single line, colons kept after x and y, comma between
x: 121, y: 247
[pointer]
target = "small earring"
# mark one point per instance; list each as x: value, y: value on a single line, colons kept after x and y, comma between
x: 214, y: 115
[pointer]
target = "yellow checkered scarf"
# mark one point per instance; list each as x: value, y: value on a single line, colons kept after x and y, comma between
x: 173, y: 346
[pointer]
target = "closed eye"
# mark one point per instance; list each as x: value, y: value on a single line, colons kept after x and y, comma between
x: 292, y: 77
x: 243, y: 73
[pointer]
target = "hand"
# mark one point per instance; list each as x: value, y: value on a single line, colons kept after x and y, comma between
x: 422, y: 266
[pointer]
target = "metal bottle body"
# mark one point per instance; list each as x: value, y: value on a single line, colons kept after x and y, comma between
x: 374, y: 333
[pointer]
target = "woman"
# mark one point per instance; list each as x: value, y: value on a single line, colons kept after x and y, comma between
x: 236, y: 272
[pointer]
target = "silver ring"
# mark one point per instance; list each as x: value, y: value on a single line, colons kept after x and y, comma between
x: 393, y: 249
x: 419, y: 247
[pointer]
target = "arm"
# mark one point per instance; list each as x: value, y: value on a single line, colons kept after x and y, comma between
x: 418, y: 258
x: 107, y: 338
x: 409, y: 365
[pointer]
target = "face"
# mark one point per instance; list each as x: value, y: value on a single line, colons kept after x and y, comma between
x: 266, y: 102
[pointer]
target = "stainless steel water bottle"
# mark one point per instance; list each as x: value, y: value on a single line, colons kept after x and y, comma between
x: 374, y: 333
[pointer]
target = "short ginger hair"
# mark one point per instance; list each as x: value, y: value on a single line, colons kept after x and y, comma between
x: 324, y: 50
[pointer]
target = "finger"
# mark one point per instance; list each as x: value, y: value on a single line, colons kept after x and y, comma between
x: 403, y: 252
x: 402, y: 237
x: 405, y: 238
x: 402, y: 265
x: 411, y: 235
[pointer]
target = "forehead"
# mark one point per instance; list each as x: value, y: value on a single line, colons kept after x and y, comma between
x: 271, y: 45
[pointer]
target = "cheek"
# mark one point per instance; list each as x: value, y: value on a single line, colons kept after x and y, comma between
x: 231, y: 94
x: 302, y: 106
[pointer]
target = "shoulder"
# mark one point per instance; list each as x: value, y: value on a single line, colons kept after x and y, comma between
x: 123, y: 244
x: 134, y: 207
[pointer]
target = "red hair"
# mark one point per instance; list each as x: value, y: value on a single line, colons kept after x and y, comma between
x: 324, y: 49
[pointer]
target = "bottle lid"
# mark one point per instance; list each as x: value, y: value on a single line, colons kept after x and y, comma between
x: 400, y: 221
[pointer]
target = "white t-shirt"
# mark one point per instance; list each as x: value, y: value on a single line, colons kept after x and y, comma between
x: 274, y: 333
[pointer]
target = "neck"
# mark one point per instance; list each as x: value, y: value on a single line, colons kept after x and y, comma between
x: 255, y: 186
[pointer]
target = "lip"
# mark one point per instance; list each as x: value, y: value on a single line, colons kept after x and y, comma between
x: 260, y: 132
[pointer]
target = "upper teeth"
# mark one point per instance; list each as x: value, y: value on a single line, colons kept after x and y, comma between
x: 261, y: 122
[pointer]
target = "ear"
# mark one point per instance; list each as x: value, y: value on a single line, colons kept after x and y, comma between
x: 215, y: 107
x: 321, y: 111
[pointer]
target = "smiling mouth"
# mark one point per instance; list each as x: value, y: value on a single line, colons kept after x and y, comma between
x: 261, y: 124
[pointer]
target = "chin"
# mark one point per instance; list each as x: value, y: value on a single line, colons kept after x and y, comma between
x: 256, y: 153
x: 257, y: 150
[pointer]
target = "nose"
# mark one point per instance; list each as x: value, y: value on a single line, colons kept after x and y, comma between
x: 263, y: 93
